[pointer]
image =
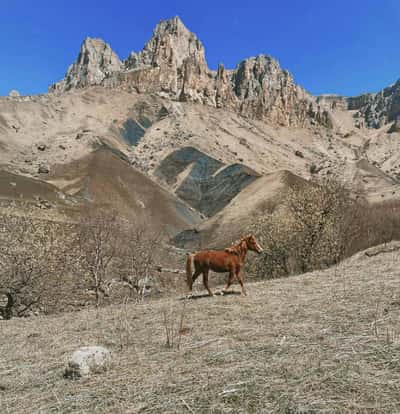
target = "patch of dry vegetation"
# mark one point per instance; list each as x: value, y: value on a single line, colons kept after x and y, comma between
x: 34, y: 257
x: 319, y: 225
x: 325, y: 342
x: 46, y: 266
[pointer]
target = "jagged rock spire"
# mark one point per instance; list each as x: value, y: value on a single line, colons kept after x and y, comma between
x: 172, y: 43
x: 95, y: 61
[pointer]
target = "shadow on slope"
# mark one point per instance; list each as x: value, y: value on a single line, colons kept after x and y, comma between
x: 203, y: 182
x: 21, y: 188
x: 102, y: 178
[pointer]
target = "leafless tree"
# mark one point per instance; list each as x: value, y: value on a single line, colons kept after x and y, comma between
x: 32, y: 258
x: 98, y: 240
x: 139, y: 255
x: 311, y: 228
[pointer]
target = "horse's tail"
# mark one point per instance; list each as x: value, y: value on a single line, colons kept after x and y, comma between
x: 189, y: 269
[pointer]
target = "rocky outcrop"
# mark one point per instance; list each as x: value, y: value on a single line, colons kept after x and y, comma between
x: 395, y: 127
x: 333, y: 102
x: 95, y: 62
x: 14, y: 94
x: 172, y: 64
x: 43, y: 168
x: 266, y: 91
x: 379, y: 109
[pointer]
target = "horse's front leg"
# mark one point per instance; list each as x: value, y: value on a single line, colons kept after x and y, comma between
x: 230, y: 281
x: 239, y: 276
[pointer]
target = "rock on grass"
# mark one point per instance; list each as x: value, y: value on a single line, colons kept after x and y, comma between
x: 88, y: 360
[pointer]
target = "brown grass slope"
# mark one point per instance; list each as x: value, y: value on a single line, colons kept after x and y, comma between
x: 22, y: 195
x: 17, y: 187
x: 373, y: 182
x: 102, y: 178
x: 324, y: 342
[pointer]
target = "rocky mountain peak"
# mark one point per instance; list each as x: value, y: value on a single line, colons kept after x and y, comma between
x: 172, y: 43
x: 96, y: 60
x: 254, y: 74
x: 266, y: 91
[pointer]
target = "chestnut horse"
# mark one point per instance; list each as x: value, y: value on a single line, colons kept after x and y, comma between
x: 229, y: 260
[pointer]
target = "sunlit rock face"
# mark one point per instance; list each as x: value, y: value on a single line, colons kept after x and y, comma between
x: 172, y: 64
x: 96, y: 60
x: 375, y: 110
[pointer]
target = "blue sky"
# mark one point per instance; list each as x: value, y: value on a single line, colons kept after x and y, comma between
x: 344, y: 47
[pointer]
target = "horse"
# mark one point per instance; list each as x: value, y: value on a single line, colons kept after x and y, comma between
x: 229, y: 260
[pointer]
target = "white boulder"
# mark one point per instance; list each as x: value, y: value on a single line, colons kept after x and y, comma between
x: 88, y: 360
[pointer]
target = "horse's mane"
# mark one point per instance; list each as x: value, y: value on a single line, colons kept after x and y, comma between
x: 236, y: 248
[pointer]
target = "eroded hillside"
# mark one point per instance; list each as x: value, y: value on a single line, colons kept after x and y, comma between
x: 211, y: 139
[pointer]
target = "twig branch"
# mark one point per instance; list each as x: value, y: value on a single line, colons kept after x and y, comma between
x: 187, y: 406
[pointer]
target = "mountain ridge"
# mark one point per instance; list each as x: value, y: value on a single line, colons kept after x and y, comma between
x: 173, y: 64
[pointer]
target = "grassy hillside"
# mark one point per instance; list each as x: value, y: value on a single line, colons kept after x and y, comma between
x: 323, y: 342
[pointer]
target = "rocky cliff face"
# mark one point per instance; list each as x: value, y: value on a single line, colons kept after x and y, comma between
x: 172, y: 64
x: 377, y: 110
x: 264, y: 90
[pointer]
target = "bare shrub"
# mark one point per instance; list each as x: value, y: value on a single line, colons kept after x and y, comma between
x: 374, y: 224
x: 114, y: 251
x: 319, y: 222
x: 138, y: 257
x: 310, y: 229
x: 126, y: 326
x: 98, y: 240
x: 47, y: 266
x: 33, y: 258
x: 272, y: 233
x: 173, y: 325
x: 320, y: 225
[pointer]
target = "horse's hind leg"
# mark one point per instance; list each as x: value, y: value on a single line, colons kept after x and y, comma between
x: 205, y: 281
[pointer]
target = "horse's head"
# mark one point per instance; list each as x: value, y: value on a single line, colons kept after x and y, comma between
x: 252, y: 244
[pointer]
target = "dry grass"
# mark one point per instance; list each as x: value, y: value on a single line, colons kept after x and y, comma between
x: 323, y: 342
